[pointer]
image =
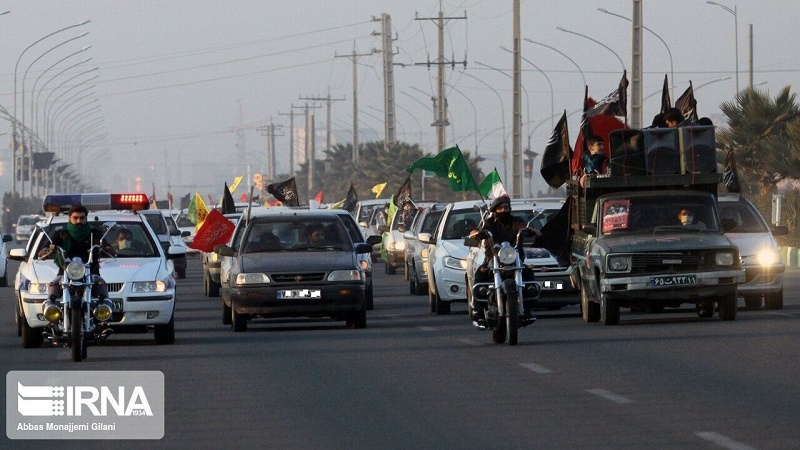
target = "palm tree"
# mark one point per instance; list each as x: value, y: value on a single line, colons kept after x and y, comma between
x: 764, y: 134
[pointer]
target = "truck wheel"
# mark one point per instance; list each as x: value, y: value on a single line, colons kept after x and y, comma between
x: 589, y: 309
x: 774, y: 301
x: 752, y: 301
x: 609, y: 311
x: 726, y: 307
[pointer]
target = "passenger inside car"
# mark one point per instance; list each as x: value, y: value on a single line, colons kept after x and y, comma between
x: 264, y: 241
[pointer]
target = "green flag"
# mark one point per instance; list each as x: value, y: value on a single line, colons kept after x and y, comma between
x: 492, y: 187
x: 449, y: 164
x: 191, y: 214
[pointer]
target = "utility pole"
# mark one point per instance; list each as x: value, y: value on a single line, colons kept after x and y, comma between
x: 309, y: 150
x: 269, y: 132
x: 636, y: 64
x: 328, y: 100
x: 291, y: 115
x: 441, y: 121
x: 354, y: 57
x: 389, y: 120
x: 516, y: 126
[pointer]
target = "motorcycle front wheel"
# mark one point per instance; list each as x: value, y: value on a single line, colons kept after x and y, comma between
x: 512, y: 318
x: 76, y: 335
x: 499, y: 331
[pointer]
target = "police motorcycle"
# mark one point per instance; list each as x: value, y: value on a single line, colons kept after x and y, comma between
x: 500, y: 302
x: 78, y: 318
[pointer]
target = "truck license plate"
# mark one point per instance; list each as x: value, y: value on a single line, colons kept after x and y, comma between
x: 300, y: 293
x: 673, y: 280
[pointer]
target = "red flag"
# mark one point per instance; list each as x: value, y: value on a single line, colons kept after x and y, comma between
x: 215, y: 230
x: 244, y: 196
x: 601, y: 126
x: 318, y: 198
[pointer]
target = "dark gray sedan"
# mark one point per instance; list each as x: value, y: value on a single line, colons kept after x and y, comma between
x: 294, y: 263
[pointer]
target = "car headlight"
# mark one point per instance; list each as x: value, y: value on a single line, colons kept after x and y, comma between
x: 767, y: 257
x: 618, y: 263
x: 144, y: 287
x: 400, y: 245
x: 75, y: 271
x: 423, y: 253
x: 507, y: 255
x: 37, y: 288
x: 455, y: 263
x: 213, y: 257
x: 345, y: 275
x: 251, y: 278
x: 724, y: 259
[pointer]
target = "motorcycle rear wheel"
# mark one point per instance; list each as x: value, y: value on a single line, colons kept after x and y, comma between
x: 76, y: 335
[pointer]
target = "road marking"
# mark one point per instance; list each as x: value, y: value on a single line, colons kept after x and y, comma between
x: 723, y: 441
x: 469, y: 341
x: 535, y: 368
x: 608, y: 395
x: 427, y: 328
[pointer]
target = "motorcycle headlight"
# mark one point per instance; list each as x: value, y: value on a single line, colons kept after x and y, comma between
x: 507, y: 255
x: 724, y: 259
x: 102, y: 312
x: 52, y: 312
x: 618, y: 264
x: 455, y: 263
x: 141, y: 287
x: 345, y: 275
x: 251, y: 278
x: 75, y: 271
x: 767, y: 257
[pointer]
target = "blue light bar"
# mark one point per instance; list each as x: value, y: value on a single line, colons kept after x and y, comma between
x: 95, y: 202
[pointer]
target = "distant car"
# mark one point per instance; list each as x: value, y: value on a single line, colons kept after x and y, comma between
x: 25, y: 225
x: 277, y: 273
x: 394, y: 244
x: 4, y: 260
x: 364, y: 259
x: 168, y: 234
x: 140, y: 278
x: 758, y: 250
x: 184, y: 224
x: 370, y: 215
x: 416, y: 251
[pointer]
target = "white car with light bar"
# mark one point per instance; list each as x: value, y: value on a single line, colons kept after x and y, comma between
x: 139, y: 276
x: 758, y: 250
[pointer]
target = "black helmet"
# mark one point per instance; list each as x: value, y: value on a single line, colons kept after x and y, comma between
x: 503, y: 199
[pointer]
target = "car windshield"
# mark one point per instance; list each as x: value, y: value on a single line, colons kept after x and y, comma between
x: 125, y: 239
x: 460, y: 223
x: 183, y: 220
x: 277, y: 234
x: 157, y: 223
x: 747, y: 218
x: 28, y: 221
x: 173, y: 228
x: 658, y: 214
x: 429, y: 222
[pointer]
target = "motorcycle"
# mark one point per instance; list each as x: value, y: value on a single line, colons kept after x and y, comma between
x: 505, y: 295
x: 77, y: 317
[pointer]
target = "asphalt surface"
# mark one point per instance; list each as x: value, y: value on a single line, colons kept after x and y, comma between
x: 413, y: 380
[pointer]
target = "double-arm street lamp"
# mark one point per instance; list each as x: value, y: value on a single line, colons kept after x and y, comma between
x: 735, y: 35
x: 595, y: 41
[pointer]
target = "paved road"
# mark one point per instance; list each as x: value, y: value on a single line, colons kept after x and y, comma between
x: 412, y: 380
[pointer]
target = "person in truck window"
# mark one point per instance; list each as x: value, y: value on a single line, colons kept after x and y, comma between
x: 686, y: 217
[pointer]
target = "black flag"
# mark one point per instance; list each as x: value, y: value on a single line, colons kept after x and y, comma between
x: 557, y: 155
x: 730, y: 175
x: 228, y: 206
x: 687, y: 104
x: 615, y: 103
x: 350, y: 200
x: 404, y: 193
x: 666, y: 101
x: 285, y: 192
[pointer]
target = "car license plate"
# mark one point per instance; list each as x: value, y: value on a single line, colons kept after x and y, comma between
x: 300, y: 293
x: 673, y: 280
x: 116, y: 305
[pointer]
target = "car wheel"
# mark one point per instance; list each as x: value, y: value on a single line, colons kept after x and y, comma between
x: 412, y: 285
x: 419, y: 286
x: 239, y: 321
x: 358, y: 319
x: 4, y: 278
x: 609, y: 311
x: 442, y: 307
x: 370, y: 298
x: 206, y: 280
x: 752, y: 301
x: 589, y: 310
x: 431, y: 294
x: 726, y: 307
x: 705, y: 309
x: 213, y: 288
x: 18, y: 319
x: 31, y: 337
x: 774, y: 301
x: 390, y: 269
x: 226, y: 313
x: 165, y: 333
x: 405, y: 271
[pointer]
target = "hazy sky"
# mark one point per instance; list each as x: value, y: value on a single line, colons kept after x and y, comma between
x: 175, y: 78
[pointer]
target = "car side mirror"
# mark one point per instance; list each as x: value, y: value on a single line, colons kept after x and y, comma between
x: 7, y: 238
x: 779, y: 230
x: 426, y: 238
x: 363, y: 248
x: 589, y: 228
x: 384, y: 228
x: 472, y: 242
x: 374, y: 239
x: 224, y: 250
x: 186, y: 233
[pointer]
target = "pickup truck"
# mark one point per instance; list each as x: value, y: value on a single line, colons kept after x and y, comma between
x: 629, y: 249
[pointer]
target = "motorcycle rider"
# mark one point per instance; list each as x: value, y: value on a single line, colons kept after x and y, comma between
x: 504, y: 227
x: 76, y: 240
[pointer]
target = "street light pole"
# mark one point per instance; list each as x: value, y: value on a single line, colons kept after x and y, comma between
x: 502, y: 116
x: 595, y: 41
x: 735, y: 35
x: 562, y: 54
x: 474, y: 117
x: 669, y: 52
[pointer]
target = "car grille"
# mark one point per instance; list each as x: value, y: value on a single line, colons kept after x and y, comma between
x: 298, y: 277
x: 114, y: 287
x: 672, y: 262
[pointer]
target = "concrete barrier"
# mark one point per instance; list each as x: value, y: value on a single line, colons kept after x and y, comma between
x: 790, y: 256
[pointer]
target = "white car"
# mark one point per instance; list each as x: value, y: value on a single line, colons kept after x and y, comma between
x: 4, y: 260
x: 758, y: 250
x: 186, y: 226
x: 25, y: 225
x: 370, y: 215
x: 140, y: 283
x: 447, y: 255
x: 168, y: 235
x: 416, y: 251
